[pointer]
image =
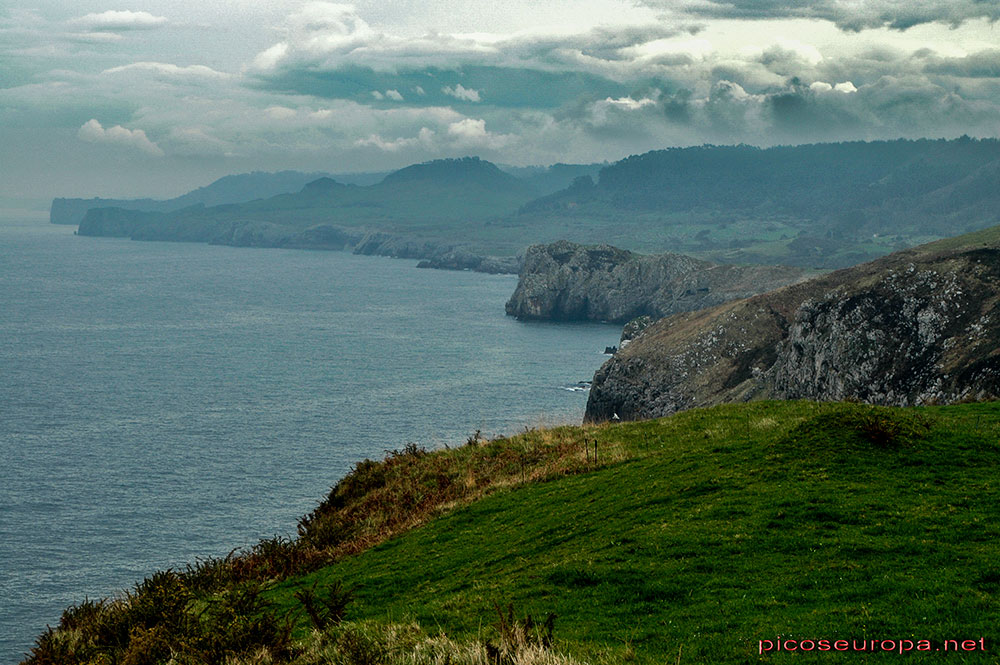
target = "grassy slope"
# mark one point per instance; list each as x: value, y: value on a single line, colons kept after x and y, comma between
x: 716, y: 529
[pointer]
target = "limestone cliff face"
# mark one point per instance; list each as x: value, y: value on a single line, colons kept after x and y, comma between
x: 564, y: 281
x: 917, y: 327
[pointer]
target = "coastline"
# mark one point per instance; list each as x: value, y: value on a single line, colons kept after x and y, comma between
x: 459, y: 364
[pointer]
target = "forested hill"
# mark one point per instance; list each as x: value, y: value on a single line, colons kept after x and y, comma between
x: 823, y: 198
x: 816, y: 206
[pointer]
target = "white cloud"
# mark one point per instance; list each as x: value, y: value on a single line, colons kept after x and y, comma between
x: 120, y: 20
x: 423, y: 139
x: 629, y: 104
x: 610, y: 111
x: 468, y: 128
x: 169, y: 70
x: 471, y: 133
x: 93, y: 132
x: 394, y: 95
x: 319, y: 30
x: 280, y: 113
x: 845, y: 87
x: 270, y: 58
x: 461, y: 92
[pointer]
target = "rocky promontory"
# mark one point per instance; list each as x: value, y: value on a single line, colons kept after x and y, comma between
x: 917, y: 327
x: 215, y: 226
x: 564, y: 281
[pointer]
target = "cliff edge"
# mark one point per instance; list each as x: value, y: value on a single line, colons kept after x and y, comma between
x: 916, y: 327
x: 564, y: 281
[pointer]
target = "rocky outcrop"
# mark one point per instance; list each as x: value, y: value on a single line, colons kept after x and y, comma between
x: 460, y: 259
x: 434, y: 254
x: 634, y: 328
x: 564, y: 281
x: 917, y: 327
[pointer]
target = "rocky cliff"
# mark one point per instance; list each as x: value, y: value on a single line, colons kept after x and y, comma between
x: 564, y: 281
x: 916, y: 327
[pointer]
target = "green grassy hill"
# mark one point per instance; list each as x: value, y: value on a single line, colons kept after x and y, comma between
x: 690, y: 539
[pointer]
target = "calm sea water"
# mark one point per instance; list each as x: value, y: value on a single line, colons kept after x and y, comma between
x: 164, y: 402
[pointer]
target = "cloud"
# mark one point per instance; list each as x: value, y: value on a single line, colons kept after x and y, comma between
x: 93, y: 132
x: 849, y: 15
x: 197, y: 141
x: 462, y: 93
x: 170, y: 71
x: 329, y: 37
x: 394, y: 95
x: 115, y: 21
x: 269, y: 59
x: 982, y: 64
x: 608, y: 112
x: 424, y: 138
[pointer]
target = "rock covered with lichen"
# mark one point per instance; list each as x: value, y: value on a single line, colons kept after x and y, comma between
x: 916, y: 327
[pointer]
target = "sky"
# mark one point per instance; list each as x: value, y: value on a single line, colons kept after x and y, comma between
x: 132, y: 98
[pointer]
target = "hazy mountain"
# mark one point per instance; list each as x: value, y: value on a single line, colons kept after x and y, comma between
x: 547, y: 179
x: 228, y: 189
x: 818, y: 206
x: 431, y: 197
x: 825, y: 204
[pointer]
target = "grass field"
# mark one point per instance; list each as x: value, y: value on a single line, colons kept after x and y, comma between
x: 720, y: 528
x: 690, y: 539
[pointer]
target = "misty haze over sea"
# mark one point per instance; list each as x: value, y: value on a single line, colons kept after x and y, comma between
x: 161, y: 402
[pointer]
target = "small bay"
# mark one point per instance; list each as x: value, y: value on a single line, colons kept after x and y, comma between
x: 164, y: 402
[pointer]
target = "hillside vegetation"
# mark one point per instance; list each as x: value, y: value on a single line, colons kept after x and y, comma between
x: 816, y: 206
x: 823, y: 205
x: 688, y: 539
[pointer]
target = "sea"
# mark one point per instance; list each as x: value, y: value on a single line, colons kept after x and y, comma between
x: 162, y: 403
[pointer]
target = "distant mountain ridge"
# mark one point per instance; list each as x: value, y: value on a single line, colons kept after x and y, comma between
x: 826, y: 198
x: 814, y: 206
x: 228, y: 189
x: 417, y: 201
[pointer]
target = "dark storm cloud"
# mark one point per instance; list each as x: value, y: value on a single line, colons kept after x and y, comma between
x: 984, y: 64
x: 846, y: 14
